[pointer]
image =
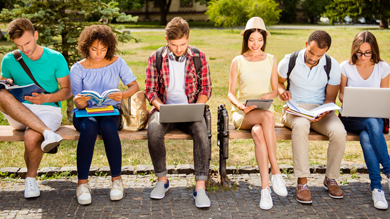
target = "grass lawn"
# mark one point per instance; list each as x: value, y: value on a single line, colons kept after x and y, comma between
x: 220, y: 46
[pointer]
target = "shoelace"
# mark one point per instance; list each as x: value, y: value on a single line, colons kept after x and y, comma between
x: 267, y: 195
x: 304, y: 187
x: 84, y: 188
x: 332, y: 182
x: 31, y: 186
x: 380, y: 196
x: 279, y: 180
x: 116, y: 184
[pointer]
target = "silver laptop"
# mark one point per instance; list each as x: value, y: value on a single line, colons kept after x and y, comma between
x: 366, y: 102
x: 172, y: 113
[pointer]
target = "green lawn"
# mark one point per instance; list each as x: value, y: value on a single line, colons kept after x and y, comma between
x: 220, y: 46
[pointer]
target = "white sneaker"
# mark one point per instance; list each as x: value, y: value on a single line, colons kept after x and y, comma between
x: 378, y: 196
x: 116, y: 192
x: 83, y: 194
x: 31, y: 188
x: 266, y: 199
x: 279, y: 185
x: 51, y: 140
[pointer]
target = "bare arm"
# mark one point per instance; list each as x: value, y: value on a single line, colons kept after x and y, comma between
x: 343, y: 84
x: 284, y: 95
x: 331, y: 93
x: 385, y: 82
x: 132, y: 89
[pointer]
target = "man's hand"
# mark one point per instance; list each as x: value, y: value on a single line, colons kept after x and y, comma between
x: 322, y: 115
x: 285, y: 95
x: 117, y: 96
x: 37, y: 98
x: 245, y: 108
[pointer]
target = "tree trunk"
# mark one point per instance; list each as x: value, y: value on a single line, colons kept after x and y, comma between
x: 147, y: 10
x: 384, y: 24
x: 164, y: 9
x: 65, y: 53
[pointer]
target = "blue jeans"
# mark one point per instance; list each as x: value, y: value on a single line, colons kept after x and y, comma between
x: 373, y: 144
x: 89, y: 128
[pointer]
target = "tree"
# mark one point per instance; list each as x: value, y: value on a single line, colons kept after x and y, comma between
x: 289, y: 10
x: 379, y: 9
x: 60, y: 22
x: 230, y: 13
x: 314, y: 8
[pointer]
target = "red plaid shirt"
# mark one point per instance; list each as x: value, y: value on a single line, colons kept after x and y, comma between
x: 156, y: 85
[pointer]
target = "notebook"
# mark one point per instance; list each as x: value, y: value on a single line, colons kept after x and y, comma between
x: 84, y: 113
x: 173, y: 113
x: 366, y: 102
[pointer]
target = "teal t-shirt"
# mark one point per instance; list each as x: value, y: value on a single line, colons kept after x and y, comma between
x: 46, y: 70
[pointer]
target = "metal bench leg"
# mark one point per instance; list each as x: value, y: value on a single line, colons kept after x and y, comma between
x: 207, y: 116
x: 223, y: 143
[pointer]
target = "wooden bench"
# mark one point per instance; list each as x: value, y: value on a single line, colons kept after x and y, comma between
x: 227, y: 131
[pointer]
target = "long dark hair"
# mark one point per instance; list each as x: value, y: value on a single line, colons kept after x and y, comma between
x: 245, y: 39
x: 365, y: 37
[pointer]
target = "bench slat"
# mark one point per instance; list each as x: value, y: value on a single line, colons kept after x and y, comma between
x: 68, y: 132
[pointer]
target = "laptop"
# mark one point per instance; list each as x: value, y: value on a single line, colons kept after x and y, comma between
x: 366, y: 102
x: 173, y: 113
x: 260, y: 104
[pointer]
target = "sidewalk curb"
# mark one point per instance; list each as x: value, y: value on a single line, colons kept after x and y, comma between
x: 172, y: 169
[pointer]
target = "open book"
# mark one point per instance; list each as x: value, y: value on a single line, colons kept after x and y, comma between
x: 20, y: 92
x: 294, y: 109
x: 99, y: 99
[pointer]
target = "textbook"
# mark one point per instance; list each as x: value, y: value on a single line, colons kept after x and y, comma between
x: 20, y: 92
x: 294, y: 109
x: 99, y: 99
x: 83, y: 113
x: 100, y: 109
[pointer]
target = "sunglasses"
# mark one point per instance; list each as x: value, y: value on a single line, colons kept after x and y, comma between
x: 366, y: 54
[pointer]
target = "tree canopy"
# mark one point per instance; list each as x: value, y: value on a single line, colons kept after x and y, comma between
x: 230, y: 13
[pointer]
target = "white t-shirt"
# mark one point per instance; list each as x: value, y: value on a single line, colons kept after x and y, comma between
x: 176, y: 90
x: 381, y: 70
x: 308, y: 85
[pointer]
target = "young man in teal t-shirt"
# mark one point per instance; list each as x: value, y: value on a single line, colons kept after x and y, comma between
x: 49, y: 69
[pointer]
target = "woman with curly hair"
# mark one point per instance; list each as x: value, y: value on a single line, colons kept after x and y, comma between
x: 99, y: 71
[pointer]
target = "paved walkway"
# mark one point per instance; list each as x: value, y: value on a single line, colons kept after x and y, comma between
x: 58, y: 199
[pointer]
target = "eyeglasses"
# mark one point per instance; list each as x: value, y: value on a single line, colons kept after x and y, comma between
x: 366, y: 54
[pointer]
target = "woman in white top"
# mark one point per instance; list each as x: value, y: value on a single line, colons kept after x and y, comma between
x: 366, y: 69
x: 256, y: 74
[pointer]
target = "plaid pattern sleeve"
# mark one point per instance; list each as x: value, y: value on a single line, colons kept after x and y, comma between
x: 151, y: 79
x: 205, y: 79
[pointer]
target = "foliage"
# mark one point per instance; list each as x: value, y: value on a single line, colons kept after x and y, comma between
x: 289, y: 10
x: 230, y: 13
x: 127, y: 5
x: 338, y: 9
x: 314, y: 8
x: 60, y: 22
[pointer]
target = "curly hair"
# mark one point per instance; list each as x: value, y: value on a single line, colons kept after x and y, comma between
x: 101, y: 33
x: 322, y: 39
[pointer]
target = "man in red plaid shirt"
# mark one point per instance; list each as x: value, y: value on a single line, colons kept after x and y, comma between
x: 178, y: 83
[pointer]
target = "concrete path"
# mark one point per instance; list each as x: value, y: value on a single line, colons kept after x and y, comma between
x: 58, y: 199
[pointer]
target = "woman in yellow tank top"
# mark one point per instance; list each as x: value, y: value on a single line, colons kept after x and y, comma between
x: 256, y: 74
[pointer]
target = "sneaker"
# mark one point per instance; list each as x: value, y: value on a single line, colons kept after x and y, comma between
x: 333, y: 188
x: 83, y: 194
x: 51, y: 140
x: 31, y: 188
x: 201, y: 199
x: 159, y: 190
x: 378, y: 196
x: 279, y: 185
x: 116, y: 192
x: 266, y: 199
x: 303, y: 194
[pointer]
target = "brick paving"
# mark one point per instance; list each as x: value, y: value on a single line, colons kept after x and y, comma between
x: 58, y: 199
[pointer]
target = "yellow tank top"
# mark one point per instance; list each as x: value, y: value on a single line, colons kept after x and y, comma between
x: 254, y: 79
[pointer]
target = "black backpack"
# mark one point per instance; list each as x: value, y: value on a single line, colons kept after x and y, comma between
x: 291, y: 66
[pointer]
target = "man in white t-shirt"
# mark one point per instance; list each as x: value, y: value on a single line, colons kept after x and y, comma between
x: 178, y: 82
x: 310, y: 88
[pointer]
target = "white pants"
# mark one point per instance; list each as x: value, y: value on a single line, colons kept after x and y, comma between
x: 50, y: 115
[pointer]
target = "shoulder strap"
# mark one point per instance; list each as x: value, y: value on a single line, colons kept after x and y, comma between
x: 159, y: 59
x: 291, y: 65
x: 18, y: 56
x: 196, y: 59
x: 328, y: 66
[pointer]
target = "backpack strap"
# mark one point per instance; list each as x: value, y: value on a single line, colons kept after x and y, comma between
x: 291, y: 65
x: 196, y: 58
x: 18, y: 56
x: 328, y: 66
x: 159, y: 59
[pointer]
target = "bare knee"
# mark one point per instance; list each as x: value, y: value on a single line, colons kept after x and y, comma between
x: 269, y: 117
x: 257, y: 130
x: 32, y: 140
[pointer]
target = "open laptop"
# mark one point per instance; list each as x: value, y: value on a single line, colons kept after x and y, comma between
x: 366, y: 102
x: 172, y: 113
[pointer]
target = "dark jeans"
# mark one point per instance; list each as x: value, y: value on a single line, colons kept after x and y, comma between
x: 89, y: 128
x: 156, y: 145
x: 373, y: 144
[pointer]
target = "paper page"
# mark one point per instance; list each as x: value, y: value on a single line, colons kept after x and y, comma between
x: 324, y: 108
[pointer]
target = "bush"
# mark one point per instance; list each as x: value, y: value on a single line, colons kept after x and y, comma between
x: 230, y: 13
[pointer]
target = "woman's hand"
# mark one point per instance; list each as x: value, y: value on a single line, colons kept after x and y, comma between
x: 81, y: 101
x: 245, y: 108
x: 265, y: 96
x: 117, y: 96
